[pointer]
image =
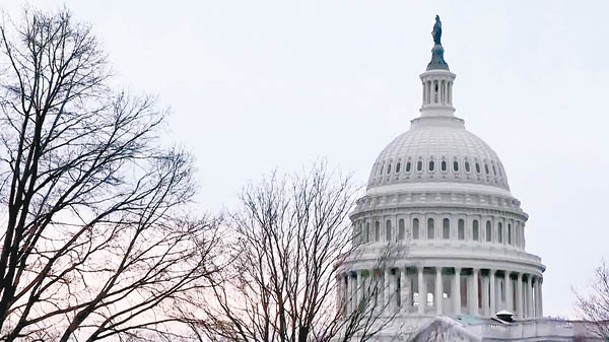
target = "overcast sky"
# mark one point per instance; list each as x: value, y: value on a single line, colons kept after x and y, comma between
x: 255, y: 85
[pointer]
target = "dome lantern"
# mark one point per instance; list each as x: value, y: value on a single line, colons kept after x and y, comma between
x: 437, y: 81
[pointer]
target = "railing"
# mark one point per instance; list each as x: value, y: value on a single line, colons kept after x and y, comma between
x: 543, y: 327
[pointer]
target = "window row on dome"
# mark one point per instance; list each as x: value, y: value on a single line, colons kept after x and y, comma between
x: 431, y: 167
x: 494, y: 231
x: 443, y: 165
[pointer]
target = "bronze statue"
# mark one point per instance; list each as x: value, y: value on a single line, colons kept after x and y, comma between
x: 437, y: 31
x: 437, y: 52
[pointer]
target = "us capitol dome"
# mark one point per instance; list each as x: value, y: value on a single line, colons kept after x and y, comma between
x: 440, y: 231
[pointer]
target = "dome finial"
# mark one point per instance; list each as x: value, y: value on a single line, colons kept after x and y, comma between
x: 437, y: 31
x: 437, y: 52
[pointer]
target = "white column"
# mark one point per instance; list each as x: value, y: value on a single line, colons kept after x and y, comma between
x: 529, y: 296
x: 386, y: 289
x: 457, y: 291
x: 405, y: 287
x: 474, y: 292
x: 372, y: 290
x: 422, y: 291
x: 519, y: 295
x: 349, y: 293
x: 393, y: 300
x: 340, y: 294
x: 353, y: 279
x: 449, y: 94
x: 536, y: 296
x: 493, y: 293
x: 423, y: 84
x: 439, y: 290
x: 468, y: 291
x: 540, y: 297
x: 508, y: 290
x: 360, y: 289
x: 485, y: 296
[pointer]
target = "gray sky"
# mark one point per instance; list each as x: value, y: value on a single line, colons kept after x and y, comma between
x: 255, y: 85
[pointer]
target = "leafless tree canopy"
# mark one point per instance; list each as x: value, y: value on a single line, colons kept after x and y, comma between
x: 595, y: 305
x: 290, y: 237
x: 96, y: 239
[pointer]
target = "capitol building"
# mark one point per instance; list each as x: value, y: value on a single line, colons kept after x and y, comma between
x: 440, y: 247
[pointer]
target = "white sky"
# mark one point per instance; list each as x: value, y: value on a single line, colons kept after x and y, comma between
x: 255, y: 85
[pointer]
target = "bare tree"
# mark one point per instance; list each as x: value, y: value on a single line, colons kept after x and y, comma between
x: 97, y: 239
x: 595, y: 305
x: 291, y: 239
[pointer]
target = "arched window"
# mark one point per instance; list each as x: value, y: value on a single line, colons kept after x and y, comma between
x: 401, y: 230
x: 377, y: 231
x: 397, y: 167
x: 443, y: 165
x: 415, y: 229
x: 475, y: 231
x: 494, y: 171
x: 489, y: 231
x: 408, y: 164
x: 509, y: 233
x: 461, y: 228
x: 419, y: 166
x: 367, y: 231
x: 500, y: 233
x: 486, y: 168
x: 389, y: 168
x: 430, y: 229
x: 467, y: 166
x: 477, y: 168
x: 446, y: 229
x: 388, y: 230
x: 381, y: 170
x: 431, y: 165
x: 456, y: 166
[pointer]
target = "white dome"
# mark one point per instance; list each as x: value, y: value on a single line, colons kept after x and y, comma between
x: 438, y: 202
x: 438, y: 149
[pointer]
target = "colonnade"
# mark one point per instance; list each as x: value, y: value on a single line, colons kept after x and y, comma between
x: 437, y: 91
x: 442, y: 291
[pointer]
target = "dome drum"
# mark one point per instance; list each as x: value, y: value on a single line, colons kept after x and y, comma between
x: 435, y: 225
